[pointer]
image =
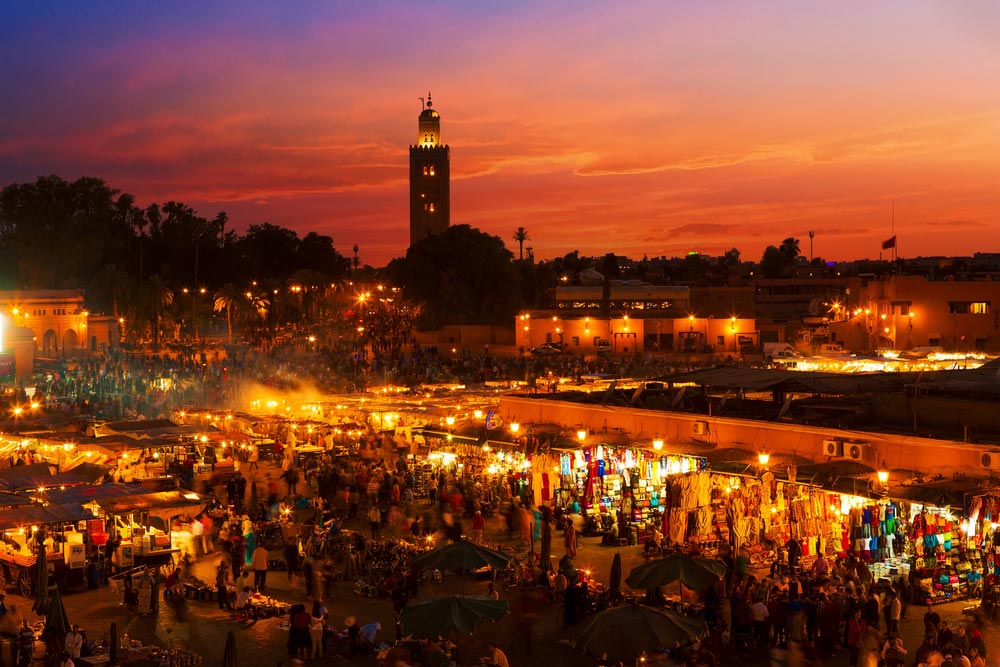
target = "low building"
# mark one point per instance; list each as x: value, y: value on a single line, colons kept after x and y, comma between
x: 58, y: 322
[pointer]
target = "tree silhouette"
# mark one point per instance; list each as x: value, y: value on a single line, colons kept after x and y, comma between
x: 789, y: 250
x: 229, y: 298
x: 154, y: 296
x: 521, y: 235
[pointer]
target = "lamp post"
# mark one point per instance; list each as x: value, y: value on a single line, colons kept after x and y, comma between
x: 657, y: 443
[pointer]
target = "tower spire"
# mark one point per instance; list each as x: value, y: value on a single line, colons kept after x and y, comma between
x: 429, y: 104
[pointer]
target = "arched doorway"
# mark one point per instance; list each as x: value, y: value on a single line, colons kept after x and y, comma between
x: 69, y: 342
x: 50, y: 344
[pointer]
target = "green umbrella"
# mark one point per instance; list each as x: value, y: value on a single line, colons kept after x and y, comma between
x: 56, y: 623
x: 626, y: 632
x: 695, y: 573
x: 229, y: 658
x: 41, y: 604
x: 462, y: 555
x: 441, y: 617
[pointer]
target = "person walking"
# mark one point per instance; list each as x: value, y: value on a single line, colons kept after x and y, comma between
x: 25, y: 644
x: 221, y: 584
x: 478, y: 526
x: 259, y: 568
x: 895, y: 611
x: 207, y: 544
x: 856, y: 629
x: 197, y: 536
x: 375, y: 520
x: 569, y: 538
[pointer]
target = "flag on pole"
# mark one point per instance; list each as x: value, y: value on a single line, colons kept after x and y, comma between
x: 889, y: 243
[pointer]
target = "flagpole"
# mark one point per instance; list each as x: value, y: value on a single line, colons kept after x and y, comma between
x: 893, y: 234
x: 892, y: 230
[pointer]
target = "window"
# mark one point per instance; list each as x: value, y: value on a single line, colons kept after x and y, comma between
x: 576, y: 341
x: 431, y: 209
x: 933, y: 342
x: 721, y: 341
x: 430, y: 170
x: 426, y: 170
x: 969, y: 307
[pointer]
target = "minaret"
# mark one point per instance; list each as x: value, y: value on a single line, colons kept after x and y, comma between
x: 430, y: 176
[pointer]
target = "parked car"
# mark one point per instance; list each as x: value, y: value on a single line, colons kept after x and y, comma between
x: 546, y: 349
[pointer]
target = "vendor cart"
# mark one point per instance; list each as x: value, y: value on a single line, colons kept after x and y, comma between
x: 18, y: 571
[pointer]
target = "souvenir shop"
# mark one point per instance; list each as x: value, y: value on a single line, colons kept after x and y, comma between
x: 983, y: 517
x: 636, y: 489
x: 763, y: 513
x: 954, y: 558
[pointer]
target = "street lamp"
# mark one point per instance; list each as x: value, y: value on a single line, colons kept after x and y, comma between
x: 883, y: 474
x: 581, y: 435
x: 515, y: 427
x: 658, y: 444
x: 763, y: 458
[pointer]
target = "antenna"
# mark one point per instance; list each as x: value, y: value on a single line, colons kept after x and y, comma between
x: 811, y: 235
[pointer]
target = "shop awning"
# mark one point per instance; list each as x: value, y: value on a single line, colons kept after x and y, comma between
x: 85, y: 473
x: 37, y: 515
x: 25, y: 477
x: 160, y: 503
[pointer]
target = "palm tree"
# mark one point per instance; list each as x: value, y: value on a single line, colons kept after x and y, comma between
x: 789, y: 250
x: 521, y: 235
x: 155, y: 296
x: 229, y: 298
x: 112, y: 283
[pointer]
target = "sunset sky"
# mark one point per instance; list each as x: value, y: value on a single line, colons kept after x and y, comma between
x: 640, y: 128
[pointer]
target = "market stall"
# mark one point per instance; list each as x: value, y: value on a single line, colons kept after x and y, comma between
x: 59, y: 528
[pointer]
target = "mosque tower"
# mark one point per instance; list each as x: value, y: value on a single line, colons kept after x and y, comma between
x: 430, y: 176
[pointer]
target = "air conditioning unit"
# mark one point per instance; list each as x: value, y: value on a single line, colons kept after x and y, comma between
x: 699, y: 428
x: 833, y: 448
x: 854, y: 451
x: 990, y: 460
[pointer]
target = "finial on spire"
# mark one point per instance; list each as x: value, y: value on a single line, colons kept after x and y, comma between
x: 428, y: 99
x: 423, y: 103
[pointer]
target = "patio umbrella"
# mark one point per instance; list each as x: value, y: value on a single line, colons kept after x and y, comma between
x: 441, y: 617
x: 229, y: 658
x: 695, y: 573
x: 41, y: 604
x: 113, y: 646
x: 615, y: 580
x: 56, y: 622
x: 462, y: 555
x: 625, y: 633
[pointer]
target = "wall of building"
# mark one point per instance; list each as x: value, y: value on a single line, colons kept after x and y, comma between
x: 904, y: 312
x: 628, y: 335
x: 693, y: 434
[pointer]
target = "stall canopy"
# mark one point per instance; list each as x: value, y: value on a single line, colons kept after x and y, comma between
x: 36, y: 515
x: 40, y: 475
x: 121, y: 498
x: 25, y: 477
x: 85, y: 473
x: 161, y: 503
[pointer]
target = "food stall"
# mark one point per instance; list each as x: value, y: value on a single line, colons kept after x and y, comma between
x: 25, y: 529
